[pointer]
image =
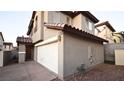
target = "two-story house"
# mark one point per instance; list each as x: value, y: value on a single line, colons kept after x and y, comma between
x: 105, y: 31
x: 63, y: 41
x: 1, y: 49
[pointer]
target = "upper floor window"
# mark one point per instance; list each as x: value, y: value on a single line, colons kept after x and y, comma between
x: 36, y: 23
x: 68, y: 20
x: 89, y: 24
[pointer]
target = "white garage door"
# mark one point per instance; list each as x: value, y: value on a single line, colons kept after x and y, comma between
x: 47, y: 55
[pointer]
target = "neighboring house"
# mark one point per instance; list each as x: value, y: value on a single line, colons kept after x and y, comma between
x: 1, y: 49
x: 62, y: 41
x: 7, y: 46
x: 105, y: 31
x: 118, y: 37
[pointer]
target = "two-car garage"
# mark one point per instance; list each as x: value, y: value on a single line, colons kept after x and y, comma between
x: 47, y: 55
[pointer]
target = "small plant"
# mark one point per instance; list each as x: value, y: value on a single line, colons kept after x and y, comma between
x: 81, y: 68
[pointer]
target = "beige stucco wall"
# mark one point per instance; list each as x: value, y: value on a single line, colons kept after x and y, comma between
x: 76, y: 22
x: 58, y: 17
x: 49, y: 33
x: 119, y: 57
x: 61, y: 55
x: 105, y: 33
x: 80, y: 22
x: 22, y: 53
x: 38, y: 35
x: 73, y: 51
x: 76, y: 53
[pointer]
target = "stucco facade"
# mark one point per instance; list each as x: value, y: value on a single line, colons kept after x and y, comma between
x: 37, y: 29
x: 80, y: 22
x: 119, y: 57
x: 79, y: 51
x: 22, y: 53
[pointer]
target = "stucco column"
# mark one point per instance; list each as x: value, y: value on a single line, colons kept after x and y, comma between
x: 22, y: 53
x: 35, y: 53
x: 60, y: 56
x: 1, y: 58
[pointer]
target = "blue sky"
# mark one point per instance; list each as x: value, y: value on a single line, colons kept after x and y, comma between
x: 116, y: 18
x: 13, y: 24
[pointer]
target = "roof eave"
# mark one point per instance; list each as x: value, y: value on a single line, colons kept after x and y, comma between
x: 31, y: 23
x: 85, y: 13
x: 107, y: 24
x: 90, y: 16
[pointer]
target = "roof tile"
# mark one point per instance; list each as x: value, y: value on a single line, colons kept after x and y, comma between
x: 24, y: 40
x: 68, y: 28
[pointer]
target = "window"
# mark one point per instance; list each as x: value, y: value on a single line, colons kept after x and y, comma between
x: 56, y: 17
x: 35, y: 27
x: 68, y: 20
x: 89, y: 24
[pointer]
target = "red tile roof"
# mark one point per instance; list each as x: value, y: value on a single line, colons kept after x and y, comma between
x: 1, y: 35
x: 57, y: 26
x: 24, y: 40
x: 67, y: 28
x: 107, y: 24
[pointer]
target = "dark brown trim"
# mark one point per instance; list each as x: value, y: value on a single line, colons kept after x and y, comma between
x: 37, y: 42
x: 25, y: 43
x: 68, y: 13
x: 31, y: 23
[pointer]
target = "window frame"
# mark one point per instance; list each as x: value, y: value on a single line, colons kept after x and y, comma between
x: 89, y: 24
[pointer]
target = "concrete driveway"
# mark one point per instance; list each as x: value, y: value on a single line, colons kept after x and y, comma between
x: 28, y: 71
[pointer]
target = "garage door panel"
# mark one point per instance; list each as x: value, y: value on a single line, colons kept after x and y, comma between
x: 47, y: 55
